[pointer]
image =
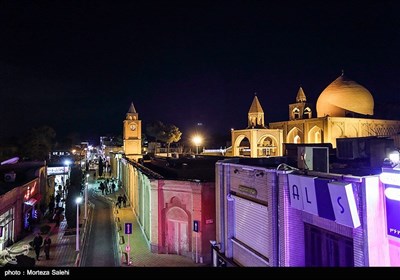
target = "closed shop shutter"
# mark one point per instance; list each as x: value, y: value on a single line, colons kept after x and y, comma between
x: 251, y: 224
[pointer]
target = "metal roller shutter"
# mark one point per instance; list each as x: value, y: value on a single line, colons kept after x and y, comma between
x: 251, y: 225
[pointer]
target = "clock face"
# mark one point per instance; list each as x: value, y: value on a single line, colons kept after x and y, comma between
x: 132, y: 126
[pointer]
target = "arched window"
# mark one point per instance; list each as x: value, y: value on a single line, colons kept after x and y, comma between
x: 296, y: 113
x: 307, y: 113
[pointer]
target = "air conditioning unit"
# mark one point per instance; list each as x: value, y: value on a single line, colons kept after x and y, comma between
x: 313, y: 158
x: 9, y: 177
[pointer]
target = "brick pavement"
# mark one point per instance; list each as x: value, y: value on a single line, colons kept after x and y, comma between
x: 63, y: 247
x: 63, y: 253
x: 140, y: 254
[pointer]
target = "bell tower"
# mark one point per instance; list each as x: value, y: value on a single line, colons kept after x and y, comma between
x: 132, y: 134
x: 301, y: 109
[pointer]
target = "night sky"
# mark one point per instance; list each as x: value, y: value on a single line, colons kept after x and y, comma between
x: 77, y: 65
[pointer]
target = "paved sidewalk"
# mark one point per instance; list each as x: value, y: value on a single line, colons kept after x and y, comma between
x: 63, y: 248
x: 140, y: 254
x: 63, y: 244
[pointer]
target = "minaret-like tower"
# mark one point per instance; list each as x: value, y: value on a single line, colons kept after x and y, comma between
x: 301, y: 109
x: 256, y: 114
x: 132, y: 134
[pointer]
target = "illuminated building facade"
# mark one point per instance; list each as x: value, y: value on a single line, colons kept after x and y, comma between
x: 270, y: 215
x: 256, y: 140
x: 176, y: 216
x: 344, y: 109
x: 21, y: 189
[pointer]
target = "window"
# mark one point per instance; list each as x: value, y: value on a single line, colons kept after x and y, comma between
x: 325, y: 248
x: 296, y: 113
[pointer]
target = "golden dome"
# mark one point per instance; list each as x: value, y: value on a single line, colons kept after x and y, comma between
x: 344, y: 95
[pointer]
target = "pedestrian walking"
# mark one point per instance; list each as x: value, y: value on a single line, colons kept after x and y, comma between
x: 37, y: 244
x: 47, y: 243
x: 124, y: 199
x: 102, y: 187
x: 120, y: 199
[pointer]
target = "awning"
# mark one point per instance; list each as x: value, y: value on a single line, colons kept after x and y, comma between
x: 33, y: 200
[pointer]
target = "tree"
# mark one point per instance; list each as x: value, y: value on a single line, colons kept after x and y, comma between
x: 74, y: 190
x: 39, y: 143
x: 155, y: 130
x: 170, y: 135
x: 167, y: 133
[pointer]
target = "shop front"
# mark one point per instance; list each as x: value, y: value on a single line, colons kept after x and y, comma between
x: 30, y: 209
x: 6, y: 228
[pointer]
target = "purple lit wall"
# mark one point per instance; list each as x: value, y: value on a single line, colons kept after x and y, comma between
x: 376, y: 223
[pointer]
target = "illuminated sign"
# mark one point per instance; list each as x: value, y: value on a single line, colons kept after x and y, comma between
x: 392, y: 201
x: 390, y: 178
x: 322, y: 197
x: 196, y: 226
x: 302, y: 193
x: 128, y: 228
x: 344, y: 204
x: 57, y: 170
x: 393, y: 193
x: 30, y: 191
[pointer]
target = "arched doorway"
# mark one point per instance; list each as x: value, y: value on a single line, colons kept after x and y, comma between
x: 177, y: 231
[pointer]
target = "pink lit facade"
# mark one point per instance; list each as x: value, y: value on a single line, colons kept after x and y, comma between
x: 268, y: 217
x: 176, y: 216
x: 16, y: 206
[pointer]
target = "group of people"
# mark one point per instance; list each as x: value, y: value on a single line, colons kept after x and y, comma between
x: 121, y: 200
x: 37, y: 245
x: 107, y: 187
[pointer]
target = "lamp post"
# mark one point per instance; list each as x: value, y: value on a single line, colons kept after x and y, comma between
x: 197, y: 141
x: 78, y: 201
x: 86, y: 194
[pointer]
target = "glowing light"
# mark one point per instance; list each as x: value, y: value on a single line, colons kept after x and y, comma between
x: 197, y: 140
x: 78, y: 200
x: 393, y: 193
x: 390, y: 178
x: 394, y: 157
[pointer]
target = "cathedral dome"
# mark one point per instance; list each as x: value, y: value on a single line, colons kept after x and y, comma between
x: 344, y: 96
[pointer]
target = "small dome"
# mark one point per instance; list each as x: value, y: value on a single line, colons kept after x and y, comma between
x: 344, y: 95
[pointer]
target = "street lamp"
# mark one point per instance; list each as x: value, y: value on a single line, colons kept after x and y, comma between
x: 197, y: 139
x: 67, y: 163
x: 78, y: 200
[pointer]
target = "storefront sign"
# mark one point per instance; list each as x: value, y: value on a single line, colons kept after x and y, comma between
x: 302, y: 193
x: 57, y: 170
x: 390, y: 178
x: 296, y: 195
x: 248, y: 190
x: 322, y: 197
x: 325, y: 209
x: 392, y: 211
x: 30, y: 191
x: 344, y: 204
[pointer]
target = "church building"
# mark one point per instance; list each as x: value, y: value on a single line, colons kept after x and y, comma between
x: 344, y: 109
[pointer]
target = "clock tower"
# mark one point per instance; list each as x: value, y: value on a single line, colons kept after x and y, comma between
x: 132, y: 134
